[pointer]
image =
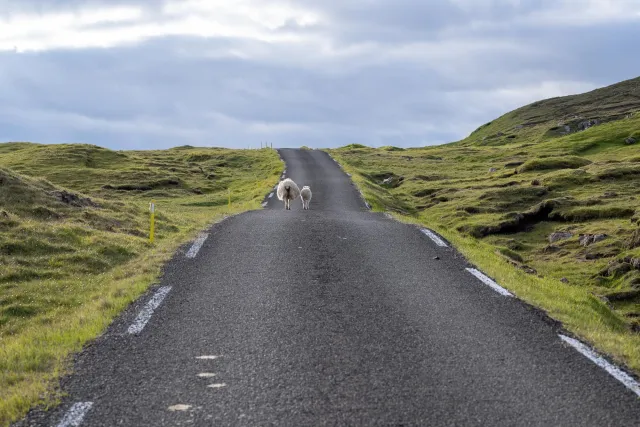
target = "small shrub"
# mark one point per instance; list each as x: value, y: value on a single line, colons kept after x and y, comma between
x: 550, y: 163
x: 426, y: 192
x: 590, y: 213
x: 508, y: 253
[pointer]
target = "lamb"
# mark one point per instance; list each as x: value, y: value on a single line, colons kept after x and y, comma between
x: 287, y: 191
x: 305, y: 195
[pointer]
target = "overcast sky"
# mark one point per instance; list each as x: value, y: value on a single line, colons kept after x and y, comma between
x: 129, y: 74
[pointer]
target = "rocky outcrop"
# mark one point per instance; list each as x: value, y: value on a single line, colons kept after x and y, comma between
x: 73, y: 199
x: 584, y: 125
x: 560, y: 235
x: 589, y: 239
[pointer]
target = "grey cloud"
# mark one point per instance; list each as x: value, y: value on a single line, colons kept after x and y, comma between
x: 169, y: 91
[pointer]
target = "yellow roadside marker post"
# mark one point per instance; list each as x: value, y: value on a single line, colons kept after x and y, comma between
x: 152, y: 210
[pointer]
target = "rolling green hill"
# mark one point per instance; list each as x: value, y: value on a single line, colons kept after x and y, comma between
x: 556, y: 117
x: 553, y: 217
x: 74, y: 247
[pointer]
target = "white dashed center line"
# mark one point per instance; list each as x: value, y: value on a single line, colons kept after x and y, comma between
x: 208, y: 357
x: 487, y: 281
x: 615, y: 372
x: 197, y: 244
x: 179, y: 407
x: 146, y: 312
x: 206, y: 375
x: 76, y: 414
x: 217, y: 385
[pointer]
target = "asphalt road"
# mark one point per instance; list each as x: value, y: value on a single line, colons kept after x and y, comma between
x: 335, y: 316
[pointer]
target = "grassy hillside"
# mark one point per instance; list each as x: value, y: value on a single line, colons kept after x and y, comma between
x: 554, y: 218
x: 560, y: 116
x: 74, y: 247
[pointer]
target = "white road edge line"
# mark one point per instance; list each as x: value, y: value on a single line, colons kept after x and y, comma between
x: 145, y: 314
x: 615, y: 372
x: 76, y: 413
x: 487, y: 281
x: 197, y: 244
x: 364, y: 200
x: 433, y: 236
x: 271, y: 194
x: 264, y: 204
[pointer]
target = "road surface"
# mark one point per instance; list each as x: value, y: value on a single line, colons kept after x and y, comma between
x: 333, y: 316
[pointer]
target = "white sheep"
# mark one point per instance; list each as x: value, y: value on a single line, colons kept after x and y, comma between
x: 287, y: 191
x: 305, y: 195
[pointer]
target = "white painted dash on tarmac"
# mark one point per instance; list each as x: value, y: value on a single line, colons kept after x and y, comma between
x: 207, y: 357
x: 271, y: 195
x: 433, y: 236
x: 145, y: 314
x: 487, y: 281
x: 179, y: 407
x: 217, y: 385
x: 264, y: 204
x: 614, y: 371
x: 76, y: 414
x: 206, y: 375
x: 197, y: 244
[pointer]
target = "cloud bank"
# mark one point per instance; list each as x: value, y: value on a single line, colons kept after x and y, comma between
x: 130, y: 75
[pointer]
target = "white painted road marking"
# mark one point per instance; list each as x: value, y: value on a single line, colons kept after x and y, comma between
x: 433, y: 236
x: 264, y: 204
x: 365, y: 200
x: 76, y: 413
x: 218, y: 385
x: 270, y: 195
x: 487, y: 281
x: 197, y: 244
x: 615, y: 372
x: 206, y: 375
x: 146, y: 312
x: 179, y: 407
x: 207, y: 357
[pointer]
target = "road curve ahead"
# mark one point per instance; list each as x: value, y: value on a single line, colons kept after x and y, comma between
x: 332, y: 316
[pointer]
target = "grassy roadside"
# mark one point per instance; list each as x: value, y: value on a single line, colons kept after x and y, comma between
x: 504, y: 207
x: 74, y: 250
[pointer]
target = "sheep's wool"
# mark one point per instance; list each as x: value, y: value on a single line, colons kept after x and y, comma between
x: 294, y: 191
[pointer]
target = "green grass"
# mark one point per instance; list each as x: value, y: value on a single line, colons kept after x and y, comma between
x: 74, y: 248
x: 548, y: 118
x: 499, y: 201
